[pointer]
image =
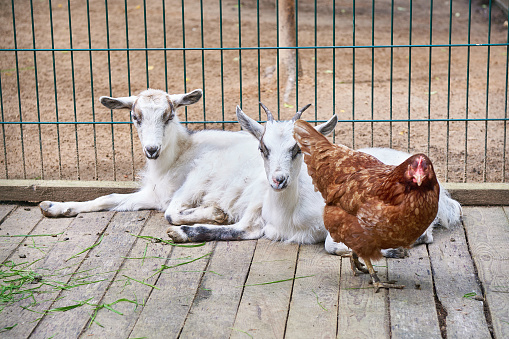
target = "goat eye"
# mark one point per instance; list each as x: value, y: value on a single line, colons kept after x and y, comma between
x: 296, y: 151
x: 264, y: 150
x: 136, y: 119
x: 168, y: 117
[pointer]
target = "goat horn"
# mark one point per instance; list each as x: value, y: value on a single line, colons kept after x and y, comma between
x: 299, y: 113
x: 269, y: 115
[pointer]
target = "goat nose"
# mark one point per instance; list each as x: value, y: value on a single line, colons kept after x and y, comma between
x: 152, y: 152
x: 280, y: 181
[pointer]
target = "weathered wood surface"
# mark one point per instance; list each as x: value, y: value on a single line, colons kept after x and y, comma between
x: 413, y: 309
x: 314, y: 305
x: 488, y: 234
x: 456, y: 285
x: 127, y: 284
x: 362, y: 313
x: 478, y: 194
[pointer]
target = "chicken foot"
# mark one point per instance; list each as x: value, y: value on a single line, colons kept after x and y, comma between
x: 377, y: 284
x: 356, y: 265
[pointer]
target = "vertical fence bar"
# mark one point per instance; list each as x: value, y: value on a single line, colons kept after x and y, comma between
x: 56, y: 91
x: 372, y: 70
x: 109, y: 83
x: 467, y: 90
x: 92, y: 90
x: 277, y: 62
x: 203, y: 63
x: 484, y: 176
x: 296, y: 5
x: 391, y: 74
x: 240, y: 51
x: 258, y: 55
x: 222, y: 57
x: 73, y: 90
x: 184, y: 65
x: 429, y: 71
x: 146, y: 40
x: 410, y: 25
x: 37, y: 93
x: 165, y: 46
x: 3, y: 129
x: 133, y: 169
x: 505, y: 103
x: 448, y: 95
x: 334, y: 63
x: 19, y: 93
x: 353, y: 74
x: 316, y: 63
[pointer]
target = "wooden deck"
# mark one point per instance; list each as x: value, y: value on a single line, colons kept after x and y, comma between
x: 99, y: 276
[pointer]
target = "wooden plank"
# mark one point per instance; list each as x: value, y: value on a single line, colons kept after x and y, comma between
x: 103, y: 263
x: 177, y: 290
x: 82, y: 233
x: 20, y: 221
x: 213, y: 312
x: 314, y: 306
x: 263, y: 309
x: 454, y: 277
x: 155, y: 254
x: 362, y: 312
x: 61, y: 190
x: 479, y: 194
x: 488, y: 237
x: 5, y: 210
x: 412, y: 309
x: 30, y: 251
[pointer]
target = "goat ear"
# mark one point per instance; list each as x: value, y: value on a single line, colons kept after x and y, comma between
x: 327, y: 127
x: 249, y: 124
x: 122, y: 102
x: 186, y: 99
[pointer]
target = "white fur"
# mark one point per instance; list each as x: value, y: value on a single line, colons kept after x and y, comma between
x: 186, y: 174
x: 291, y: 209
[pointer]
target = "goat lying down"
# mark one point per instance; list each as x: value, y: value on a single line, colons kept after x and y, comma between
x: 217, y: 177
x: 186, y: 174
x: 291, y: 209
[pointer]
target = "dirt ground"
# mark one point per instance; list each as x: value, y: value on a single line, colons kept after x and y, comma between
x: 358, y: 84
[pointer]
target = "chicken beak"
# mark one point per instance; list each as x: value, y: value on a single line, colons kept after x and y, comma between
x: 419, y: 177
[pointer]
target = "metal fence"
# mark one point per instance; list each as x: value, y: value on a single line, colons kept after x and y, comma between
x: 427, y: 76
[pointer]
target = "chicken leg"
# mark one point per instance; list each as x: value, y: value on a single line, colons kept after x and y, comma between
x: 377, y: 284
x: 356, y: 265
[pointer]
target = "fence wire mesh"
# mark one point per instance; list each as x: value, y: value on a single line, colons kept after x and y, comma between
x: 419, y: 76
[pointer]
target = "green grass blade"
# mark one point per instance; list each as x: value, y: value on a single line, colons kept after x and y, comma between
x: 88, y: 248
x: 141, y: 282
x: 276, y: 281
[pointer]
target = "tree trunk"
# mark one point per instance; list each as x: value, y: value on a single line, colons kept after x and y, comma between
x: 287, y: 57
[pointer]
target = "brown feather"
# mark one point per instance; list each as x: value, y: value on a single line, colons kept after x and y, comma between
x: 369, y: 205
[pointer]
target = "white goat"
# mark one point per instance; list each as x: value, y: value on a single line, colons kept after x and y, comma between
x: 292, y: 210
x: 186, y: 173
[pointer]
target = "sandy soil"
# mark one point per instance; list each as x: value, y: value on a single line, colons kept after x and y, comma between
x: 462, y: 152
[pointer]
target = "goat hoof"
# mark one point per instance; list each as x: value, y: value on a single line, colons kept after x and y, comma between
x: 168, y: 218
x: 45, y: 206
x: 176, y: 234
x: 397, y: 253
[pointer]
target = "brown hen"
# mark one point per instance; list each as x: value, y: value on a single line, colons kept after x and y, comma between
x: 370, y: 206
